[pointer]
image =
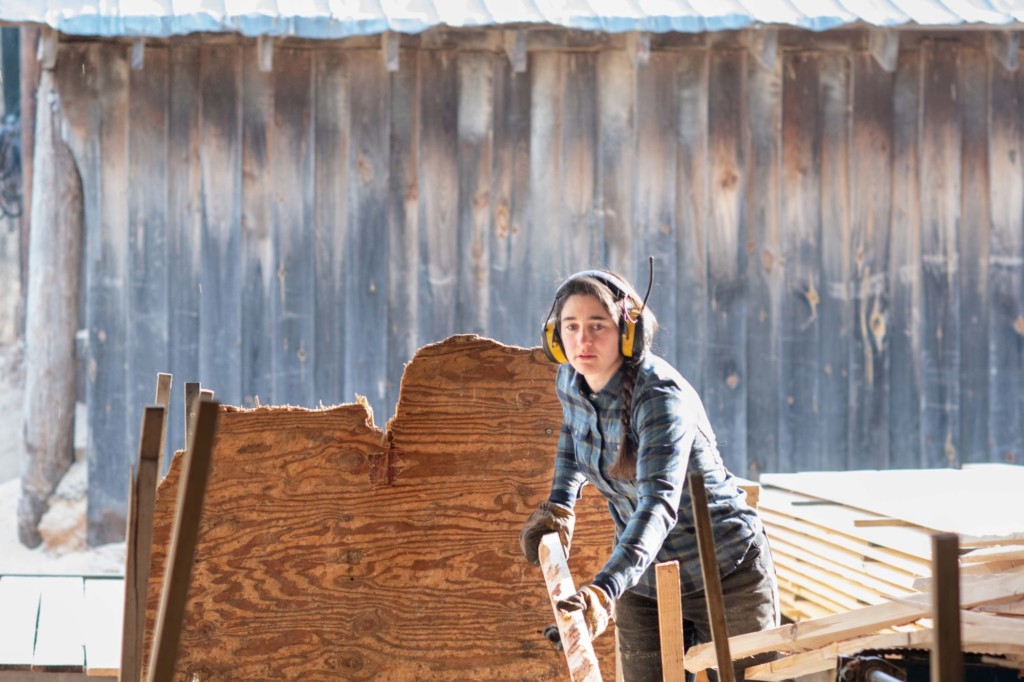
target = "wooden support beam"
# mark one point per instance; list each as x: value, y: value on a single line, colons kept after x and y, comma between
x: 712, y: 581
x: 884, y: 45
x: 947, y: 658
x: 389, y: 44
x: 638, y: 45
x: 191, y: 491
x: 138, y: 54
x: 265, y: 53
x: 515, y: 48
x: 670, y: 621
x: 163, y: 398
x: 763, y: 44
x: 139, y: 543
x: 1004, y: 47
x: 579, y: 650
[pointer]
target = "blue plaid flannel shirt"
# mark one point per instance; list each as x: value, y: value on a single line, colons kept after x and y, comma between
x: 653, y: 514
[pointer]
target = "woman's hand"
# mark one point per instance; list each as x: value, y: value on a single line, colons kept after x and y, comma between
x: 597, y: 607
x: 547, y: 518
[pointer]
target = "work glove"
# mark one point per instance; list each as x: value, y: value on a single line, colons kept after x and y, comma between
x: 547, y: 518
x: 597, y: 607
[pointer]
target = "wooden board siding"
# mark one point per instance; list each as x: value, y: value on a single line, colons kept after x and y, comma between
x: 837, y: 247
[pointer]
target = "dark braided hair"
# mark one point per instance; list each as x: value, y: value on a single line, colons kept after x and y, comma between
x: 613, y: 301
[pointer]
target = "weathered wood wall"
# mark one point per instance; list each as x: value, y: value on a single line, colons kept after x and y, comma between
x: 329, y: 550
x: 838, y: 247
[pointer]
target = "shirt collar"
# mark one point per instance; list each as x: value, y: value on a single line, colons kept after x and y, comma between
x: 611, y: 390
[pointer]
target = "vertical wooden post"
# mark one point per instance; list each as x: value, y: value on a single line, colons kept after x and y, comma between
x: 579, y: 650
x: 947, y: 658
x: 191, y: 490
x: 192, y: 389
x: 712, y: 581
x: 163, y: 398
x: 670, y: 621
x: 141, y: 501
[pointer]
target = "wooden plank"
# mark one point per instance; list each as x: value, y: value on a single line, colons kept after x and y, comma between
x: 973, y: 248
x: 580, y: 237
x: 912, y: 542
x: 293, y: 288
x: 511, y: 320
x: 811, y: 634
x: 941, y: 141
x: 871, y: 178
x: 192, y: 391
x: 403, y: 221
x: 764, y: 267
x: 183, y: 221
x: 546, y: 264
x: 800, y: 367
x: 617, y: 155
x: 865, y: 587
x: 181, y: 552
x: 712, y: 580
x: 693, y: 204
x: 670, y: 621
x: 474, y: 218
x: 579, y: 652
x: 439, y: 199
x: 366, y: 265
x: 139, y: 543
x: 106, y: 304
x: 164, y: 382
x: 947, y: 660
x: 102, y: 621
x: 824, y: 659
x: 654, y: 223
x: 835, y: 310
x: 20, y: 597
x: 219, y: 278
x: 905, y: 269
x: 725, y: 391
x: 147, y: 277
x: 258, y: 273
x: 1006, y: 267
x: 60, y: 638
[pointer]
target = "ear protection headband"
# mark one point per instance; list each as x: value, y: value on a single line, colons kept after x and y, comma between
x: 631, y: 320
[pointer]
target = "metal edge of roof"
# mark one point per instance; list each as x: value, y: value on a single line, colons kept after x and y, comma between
x: 327, y: 27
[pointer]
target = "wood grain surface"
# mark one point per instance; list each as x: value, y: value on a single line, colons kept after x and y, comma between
x: 330, y: 550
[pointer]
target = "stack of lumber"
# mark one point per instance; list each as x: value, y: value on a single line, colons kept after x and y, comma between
x: 853, y: 554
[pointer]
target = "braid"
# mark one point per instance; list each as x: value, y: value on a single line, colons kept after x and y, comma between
x: 624, y: 466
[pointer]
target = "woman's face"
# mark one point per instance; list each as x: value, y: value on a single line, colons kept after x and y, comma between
x: 590, y: 338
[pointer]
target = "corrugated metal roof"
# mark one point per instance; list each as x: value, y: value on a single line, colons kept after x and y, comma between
x: 342, y: 18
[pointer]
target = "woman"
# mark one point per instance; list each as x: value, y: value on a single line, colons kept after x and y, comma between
x: 635, y: 429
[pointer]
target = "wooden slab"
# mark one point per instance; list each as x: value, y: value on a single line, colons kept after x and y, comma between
x: 979, y: 503
x: 101, y: 621
x: 20, y: 598
x: 326, y: 551
x: 60, y: 639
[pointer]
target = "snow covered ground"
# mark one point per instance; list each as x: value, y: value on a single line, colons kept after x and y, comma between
x: 63, y: 551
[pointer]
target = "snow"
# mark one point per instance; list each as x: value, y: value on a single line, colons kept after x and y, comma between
x: 63, y: 527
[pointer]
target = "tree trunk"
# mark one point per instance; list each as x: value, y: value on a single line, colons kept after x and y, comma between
x: 51, y: 319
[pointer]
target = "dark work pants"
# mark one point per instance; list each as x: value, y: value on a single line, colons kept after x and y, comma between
x: 751, y: 597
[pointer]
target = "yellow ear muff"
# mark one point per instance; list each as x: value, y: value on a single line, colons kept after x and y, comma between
x: 628, y: 335
x: 552, y: 348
